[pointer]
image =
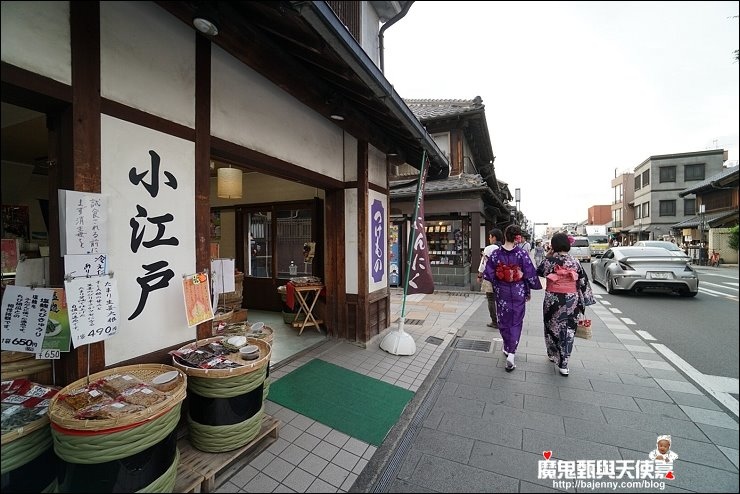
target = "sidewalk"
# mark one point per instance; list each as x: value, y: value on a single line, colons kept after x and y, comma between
x: 472, y: 427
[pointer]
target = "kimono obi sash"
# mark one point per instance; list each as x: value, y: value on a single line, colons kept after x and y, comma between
x: 563, y: 280
x: 510, y: 273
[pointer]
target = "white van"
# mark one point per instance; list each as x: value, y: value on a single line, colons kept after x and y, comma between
x: 580, y: 249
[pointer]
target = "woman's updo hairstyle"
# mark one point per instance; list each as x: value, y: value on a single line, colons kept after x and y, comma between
x: 511, y: 232
x: 560, y: 243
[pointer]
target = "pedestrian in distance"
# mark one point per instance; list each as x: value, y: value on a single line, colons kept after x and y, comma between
x: 494, y: 242
x: 567, y: 293
x: 539, y: 253
x: 513, y: 276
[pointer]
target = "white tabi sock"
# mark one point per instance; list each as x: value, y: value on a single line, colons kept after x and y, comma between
x: 510, y: 358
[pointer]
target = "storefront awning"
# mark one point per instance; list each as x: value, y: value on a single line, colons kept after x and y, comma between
x: 694, y: 221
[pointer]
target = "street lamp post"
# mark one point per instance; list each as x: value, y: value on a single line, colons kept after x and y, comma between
x: 517, y: 198
x: 702, y: 257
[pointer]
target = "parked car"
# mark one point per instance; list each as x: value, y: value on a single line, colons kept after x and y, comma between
x: 580, y: 249
x: 598, y: 244
x: 644, y: 268
x: 673, y: 248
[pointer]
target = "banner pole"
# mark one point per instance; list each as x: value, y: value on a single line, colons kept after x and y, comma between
x: 399, y: 342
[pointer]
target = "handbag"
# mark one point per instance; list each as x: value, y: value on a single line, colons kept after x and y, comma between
x: 583, y: 329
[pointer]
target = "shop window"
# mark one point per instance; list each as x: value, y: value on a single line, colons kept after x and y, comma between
x: 281, y: 240
x: 447, y: 243
x: 294, y: 231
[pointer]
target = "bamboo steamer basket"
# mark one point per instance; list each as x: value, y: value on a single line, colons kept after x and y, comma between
x: 8, y: 356
x: 25, y: 430
x: 20, y: 364
x: 242, y: 329
x: 63, y: 415
x: 246, y: 366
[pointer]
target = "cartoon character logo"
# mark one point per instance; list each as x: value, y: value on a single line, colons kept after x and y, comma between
x: 663, y: 457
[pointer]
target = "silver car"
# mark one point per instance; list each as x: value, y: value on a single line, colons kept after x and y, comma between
x: 644, y: 268
x: 673, y: 248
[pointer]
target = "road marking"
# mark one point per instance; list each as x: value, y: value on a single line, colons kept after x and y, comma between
x: 605, y: 302
x: 627, y: 320
x: 713, y: 293
x: 723, y: 285
x: 645, y: 335
x: 708, y: 383
x: 615, y: 310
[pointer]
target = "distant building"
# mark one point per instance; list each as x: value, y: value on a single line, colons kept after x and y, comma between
x: 657, y: 183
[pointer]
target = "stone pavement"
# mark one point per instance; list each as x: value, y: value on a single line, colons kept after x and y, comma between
x: 472, y: 427
x: 480, y: 429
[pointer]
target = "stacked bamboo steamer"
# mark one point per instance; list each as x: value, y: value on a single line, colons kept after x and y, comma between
x: 132, y: 452
x: 226, y: 406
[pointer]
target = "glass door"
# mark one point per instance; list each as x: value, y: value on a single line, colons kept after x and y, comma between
x: 258, y: 252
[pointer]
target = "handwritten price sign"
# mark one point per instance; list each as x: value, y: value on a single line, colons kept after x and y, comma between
x: 92, y: 304
x: 25, y: 312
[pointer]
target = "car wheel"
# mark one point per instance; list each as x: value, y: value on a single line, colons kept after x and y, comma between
x: 609, y: 284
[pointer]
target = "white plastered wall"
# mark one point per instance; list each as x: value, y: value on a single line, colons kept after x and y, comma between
x: 251, y: 111
x: 147, y: 60
x: 36, y: 37
x: 351, y: 240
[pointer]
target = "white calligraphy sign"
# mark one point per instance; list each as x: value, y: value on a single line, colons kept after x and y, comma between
x: 85, y: 265
x: 84, y: 217
x: 92, y: 304
x: 25, y: 313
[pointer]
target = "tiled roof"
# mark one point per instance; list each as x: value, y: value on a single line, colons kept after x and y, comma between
x: 708, y: 219
x: 426, y: 109
x: 708, y: 182
x: 459, y: 183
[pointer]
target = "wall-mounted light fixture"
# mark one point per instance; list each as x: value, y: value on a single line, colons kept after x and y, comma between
x: 336, y: 109
x: 229, y: 183
x: 205, y: 19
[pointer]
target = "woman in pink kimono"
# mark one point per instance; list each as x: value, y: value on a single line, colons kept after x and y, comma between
x: 567, y: 294
x: 513, y: 275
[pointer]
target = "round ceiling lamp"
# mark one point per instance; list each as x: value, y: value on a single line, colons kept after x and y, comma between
x: 229, y: 183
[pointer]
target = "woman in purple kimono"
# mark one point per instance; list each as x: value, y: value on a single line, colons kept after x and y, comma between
x: 567, y: 294
x: 513, y: 275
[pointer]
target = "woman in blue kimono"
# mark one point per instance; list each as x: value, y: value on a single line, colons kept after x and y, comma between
x: 567, y: 294
x: 513, y: 275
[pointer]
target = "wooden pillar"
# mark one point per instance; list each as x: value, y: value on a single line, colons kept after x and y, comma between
x: 202, y: 163
x: 84, y: 20
x: 335, y: 272
x: 363, y: 210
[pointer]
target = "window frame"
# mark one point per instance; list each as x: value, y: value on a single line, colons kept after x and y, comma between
x: 665, y: 176
x: 693, y: 177
x: 666, y: 202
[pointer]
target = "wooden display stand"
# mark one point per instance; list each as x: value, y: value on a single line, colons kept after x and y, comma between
x: 301, y: 294
x: 197, y: 470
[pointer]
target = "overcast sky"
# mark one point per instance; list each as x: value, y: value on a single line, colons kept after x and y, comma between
x: 575, y: 91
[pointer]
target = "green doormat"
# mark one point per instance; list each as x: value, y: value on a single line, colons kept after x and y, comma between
x: 360, y: 406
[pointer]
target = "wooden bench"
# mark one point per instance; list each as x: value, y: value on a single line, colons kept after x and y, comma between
x: 198, y: 469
